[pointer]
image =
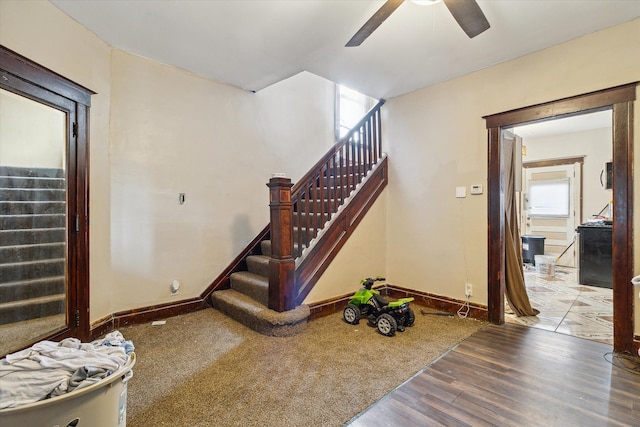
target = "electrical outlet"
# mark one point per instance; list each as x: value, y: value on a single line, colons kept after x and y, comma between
x: 468, y: 289
x: 174, y: 288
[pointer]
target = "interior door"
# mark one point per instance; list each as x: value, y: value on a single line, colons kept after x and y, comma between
x: 551, y: 208
x: 44, y: 243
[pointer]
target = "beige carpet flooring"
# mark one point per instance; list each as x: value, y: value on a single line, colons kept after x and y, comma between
x: 204, y: 369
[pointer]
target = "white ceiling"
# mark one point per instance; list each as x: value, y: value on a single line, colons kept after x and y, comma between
x: 255, y: 43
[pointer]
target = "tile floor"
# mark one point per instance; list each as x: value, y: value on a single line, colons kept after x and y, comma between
x: 567, y: 307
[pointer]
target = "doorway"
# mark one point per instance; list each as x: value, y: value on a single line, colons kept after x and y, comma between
x: 44, y: 245
x: 562, y: 193
x: 620, y: 100
x: 551, y: 208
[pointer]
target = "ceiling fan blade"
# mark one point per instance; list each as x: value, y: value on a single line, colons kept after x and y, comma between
x: 374, y: 22
x: 468, y: 15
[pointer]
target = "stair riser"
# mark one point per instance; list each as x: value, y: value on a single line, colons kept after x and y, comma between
x: 26, y: 290
x: 258, y: 292
x: 29, y: 208
x: 36, y: 194
x: 29, y: 172
x: 37, y: 270
x: 31, y: 311
x: 265, y: 247
x: 31, y: 237
x: 31, y: 253
x: 258, y: 266
x: 14, y: 222
x: 22, y: 182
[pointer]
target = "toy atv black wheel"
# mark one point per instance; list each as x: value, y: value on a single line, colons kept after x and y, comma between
x: 409, y: 318
x: 386, y: 325
x: 351, y: 314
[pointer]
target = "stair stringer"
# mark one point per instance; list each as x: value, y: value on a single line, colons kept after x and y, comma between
x: 325, y: 247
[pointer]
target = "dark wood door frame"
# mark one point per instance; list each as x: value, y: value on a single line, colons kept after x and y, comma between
x: 620, y: 100
x: 31, y: 80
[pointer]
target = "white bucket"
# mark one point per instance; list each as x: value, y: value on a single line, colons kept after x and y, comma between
x: 545, y: 265
x: 103, y: 404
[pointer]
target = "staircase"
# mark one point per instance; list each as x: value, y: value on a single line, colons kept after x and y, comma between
x: 32, y: 243
x: 310, y: 221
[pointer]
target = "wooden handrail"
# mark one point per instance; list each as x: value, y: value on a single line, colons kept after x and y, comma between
x: 338, y: 145
x: 319, y: 195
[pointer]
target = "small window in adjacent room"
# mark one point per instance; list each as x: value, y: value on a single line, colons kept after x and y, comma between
x: 549, y: 198
x: 351, y: 107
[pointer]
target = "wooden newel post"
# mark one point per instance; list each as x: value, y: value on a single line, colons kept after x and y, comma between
x: 282, y: 263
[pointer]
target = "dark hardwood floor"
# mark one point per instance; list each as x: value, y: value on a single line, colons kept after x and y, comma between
x: 511, y: 375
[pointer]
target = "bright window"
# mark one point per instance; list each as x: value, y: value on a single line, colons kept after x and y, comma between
x: 549, y: 198
x: 351, y: 107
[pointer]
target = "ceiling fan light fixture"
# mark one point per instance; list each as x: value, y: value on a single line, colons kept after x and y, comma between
x: 426, y: 2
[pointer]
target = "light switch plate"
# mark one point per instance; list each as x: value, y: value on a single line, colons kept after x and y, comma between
x: 461, y: 192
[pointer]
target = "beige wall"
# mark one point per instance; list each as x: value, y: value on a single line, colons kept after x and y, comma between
x: 437, y: 140
x: 363, y: 255
x: 596, y: 147
x: 31, y: 134
x: 173, y: 132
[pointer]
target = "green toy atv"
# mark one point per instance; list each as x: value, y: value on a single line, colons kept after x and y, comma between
x: 387, y: 316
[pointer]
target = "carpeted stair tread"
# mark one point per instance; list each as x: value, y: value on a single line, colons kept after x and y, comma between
x: 32, y: 207
x: 22, y: 253
x: 258, y: 317
x: 17, y: 271
x: 17, y: 311
x: 31, y: 182
x: 33, y: 194
x: 9, y: 171
x: 252, y: 285
x: 258, y: 264
x: 32, y: 236
x: 13, y: 222
x: 29, y: 289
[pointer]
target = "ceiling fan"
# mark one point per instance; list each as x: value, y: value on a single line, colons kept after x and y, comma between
x: 466, y: 12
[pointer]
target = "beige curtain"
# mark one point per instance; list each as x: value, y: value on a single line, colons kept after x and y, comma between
x: 515, y: 289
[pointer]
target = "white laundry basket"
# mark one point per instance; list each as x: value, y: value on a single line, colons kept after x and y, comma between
x: 103, y: 404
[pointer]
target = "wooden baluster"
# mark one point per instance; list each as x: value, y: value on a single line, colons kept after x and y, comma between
x: 307, y: 208
x: 321, y: 183
x: 329, y: 181
x: 281, y: 264
x: 361, y: 155
x: 309, y: 229
x: 334, y: 186
x: 297, y: 206
x: 347, y: 161
x: 342, y: 177
x: 365, y: 147
x: 374, y: 139
x: 379, y: 125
